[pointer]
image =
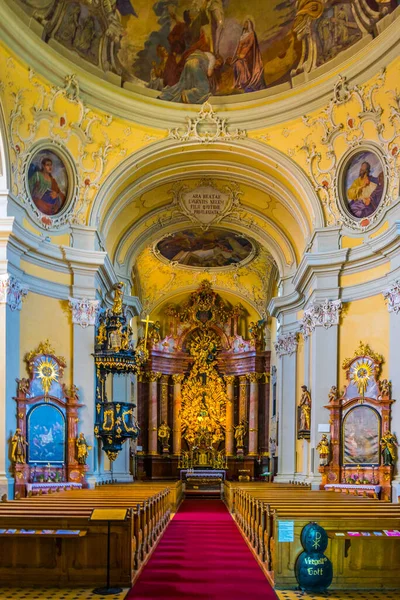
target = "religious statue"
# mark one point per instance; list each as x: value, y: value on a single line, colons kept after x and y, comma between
x: 385, y: 388
x: 164, y: 432
x: 240, y: 432
x: 219, y: 460
x: 324, y: 450
x: 333, y: 394
x: 154, y: 334
x: 126, y: 338
x: 18, y: 447
x: 23, y: 385
x: 305, y: 411
x: 101, y: 334
x: 256, y: 332
x: 82, y: 449
x: 389, y: 448
x: 118, y: 297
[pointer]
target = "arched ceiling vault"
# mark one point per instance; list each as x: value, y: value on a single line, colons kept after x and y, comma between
x: 277, y: 210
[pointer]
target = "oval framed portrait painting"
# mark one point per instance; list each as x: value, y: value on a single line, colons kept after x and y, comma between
x: 48, y: 182
x: 363, y: 183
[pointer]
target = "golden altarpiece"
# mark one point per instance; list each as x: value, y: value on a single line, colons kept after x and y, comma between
x: 203, y: 396
x: 45, y: 449
x: 361, y: 454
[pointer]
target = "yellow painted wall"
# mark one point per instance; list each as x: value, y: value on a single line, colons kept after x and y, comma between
x: 49, y: 275
x: 46, y: 318
x: 364, y: 276
x: 366, y: 320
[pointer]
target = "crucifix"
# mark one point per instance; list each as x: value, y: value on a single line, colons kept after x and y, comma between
x: 147, y: 321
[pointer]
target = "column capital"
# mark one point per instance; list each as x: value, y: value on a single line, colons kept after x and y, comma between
x: 392, y: 297
x: 178, y: 378
x: 320, y: 315
x: 165, y: 379
x: 12, y: 291
x: 286, y: 344
x: 254, y: 377
x: 84, y: 311
x: 229, y: 379
x: 153, y: 376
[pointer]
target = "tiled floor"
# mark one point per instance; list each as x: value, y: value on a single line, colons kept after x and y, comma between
x: 57, y: 594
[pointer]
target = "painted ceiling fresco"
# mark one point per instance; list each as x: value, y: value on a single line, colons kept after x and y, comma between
x: 188, y: 50
x: 204, y: 249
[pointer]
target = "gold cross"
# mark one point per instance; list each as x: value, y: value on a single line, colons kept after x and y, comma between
x: 147, y: 321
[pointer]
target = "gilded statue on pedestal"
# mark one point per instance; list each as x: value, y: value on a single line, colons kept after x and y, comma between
x: 333, y: 394
x: 101, y: 334
x: 82, y: 449
x: 118, y: 298
x: 240, y: 432
x: 164, y: 432
x: 18, y: 447
x: 305, y: 413
x: 323, y: 449
x: 389, y: 449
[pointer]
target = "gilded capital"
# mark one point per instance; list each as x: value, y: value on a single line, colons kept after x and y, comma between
x: 165, y: 379
x: 178, y: 378
x: 229, y: 379
x: 254, y: 377
x: 242, y: 379
x: 154, y: 376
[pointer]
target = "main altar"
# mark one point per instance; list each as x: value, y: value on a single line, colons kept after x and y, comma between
x: 203, y: 393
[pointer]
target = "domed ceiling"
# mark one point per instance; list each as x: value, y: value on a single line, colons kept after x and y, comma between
x: 188, y: 50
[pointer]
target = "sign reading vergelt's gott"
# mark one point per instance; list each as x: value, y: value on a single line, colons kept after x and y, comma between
x: 205, y: 203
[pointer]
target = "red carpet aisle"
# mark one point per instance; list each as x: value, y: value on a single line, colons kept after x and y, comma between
x: 202, y: 555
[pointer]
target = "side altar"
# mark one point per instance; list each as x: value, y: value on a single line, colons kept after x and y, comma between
x: 203, y: 393
x: 361, y: 453
x: 46, y: 450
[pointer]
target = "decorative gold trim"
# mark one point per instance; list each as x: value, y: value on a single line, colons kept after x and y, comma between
x: 363, y: 350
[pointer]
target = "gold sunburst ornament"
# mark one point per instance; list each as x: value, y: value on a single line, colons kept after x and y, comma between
x: 360, y: 375
x: 47, y: 372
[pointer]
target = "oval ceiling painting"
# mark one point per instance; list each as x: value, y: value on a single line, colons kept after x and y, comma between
x: 188, y: 50
x: 214, y: 248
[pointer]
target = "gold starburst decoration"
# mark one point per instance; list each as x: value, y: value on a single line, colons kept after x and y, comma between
x: 47, y: 371
x: 360, y: 374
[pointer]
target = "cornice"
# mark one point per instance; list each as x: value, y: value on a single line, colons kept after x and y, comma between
x: 321, y: 262
x: 289, y: 303
x: 263, y: 110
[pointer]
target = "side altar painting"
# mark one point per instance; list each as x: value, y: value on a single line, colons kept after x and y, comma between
x: 46, y: 447
x: 362, y: 449
x: 187, y: 50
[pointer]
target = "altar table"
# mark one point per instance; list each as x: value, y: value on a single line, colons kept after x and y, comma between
x: 45, y: 487
x: 359, y: 489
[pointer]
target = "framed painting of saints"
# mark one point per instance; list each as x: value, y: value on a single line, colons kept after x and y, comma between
x: 364, y: 184
x: 48, y: 182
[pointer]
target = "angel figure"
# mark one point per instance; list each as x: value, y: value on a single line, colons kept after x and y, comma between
x: 23, y: 385
x: 389, y: 448
x: 18, y: 447
x: 324, y: 450
x: 385, y: 388
x: 333, y: 394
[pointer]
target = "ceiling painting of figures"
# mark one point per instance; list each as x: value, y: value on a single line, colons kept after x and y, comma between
x: 188, y: 50
x: 204, y: 249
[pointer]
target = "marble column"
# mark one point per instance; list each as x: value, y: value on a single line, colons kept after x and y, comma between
x: 12, y: 292
x: 253, y: 413
x: 153, y: 412
x: 229, y: 430
x: 286, y: 350
x: 242, y: 398
x: 164, y: 398
x: 177, y: 429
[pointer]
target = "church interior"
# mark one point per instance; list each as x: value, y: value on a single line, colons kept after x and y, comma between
x: 199, y: 299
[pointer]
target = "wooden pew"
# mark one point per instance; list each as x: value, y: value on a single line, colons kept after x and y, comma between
x: 54, y: 559
x: 358, y: 562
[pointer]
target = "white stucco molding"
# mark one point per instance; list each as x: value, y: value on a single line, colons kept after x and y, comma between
x: 358, y: 64
x: 286, y: 344
x: 320, y: 315
x: 12, y: 291
x: 392, y: 297
x: 84, y: 311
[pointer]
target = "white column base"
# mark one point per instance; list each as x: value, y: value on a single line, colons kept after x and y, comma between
x: 7, y: 486
x: 396, y: 490
x: 284, y: 477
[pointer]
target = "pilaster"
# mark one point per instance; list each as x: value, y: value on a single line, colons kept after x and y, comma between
x: 177, y: 433
x: 153, y: 412
x: 229, y: 430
